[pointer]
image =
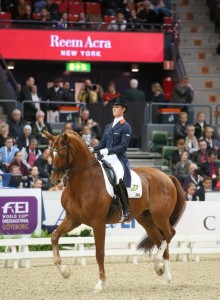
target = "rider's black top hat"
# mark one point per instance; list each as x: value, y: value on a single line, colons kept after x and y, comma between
x: 119, y: 101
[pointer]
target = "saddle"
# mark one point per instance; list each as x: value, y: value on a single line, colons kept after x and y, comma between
x: 111, y: 175
x: 110, y: 172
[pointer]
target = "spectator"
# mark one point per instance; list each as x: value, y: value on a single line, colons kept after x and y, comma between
x: 31, y: 153
x: 56, y: 94
x: 99, y: 91
x: 191, y: 143
x: 210, y: 167
x: 87, y: 134
x: 176, y: 155
x: 18, y: 161
x: 111, y: 7
x: 53, y: 10
x: 3, y: 168
x: 85, y: 119
x: 44, y: 18
x: 200, y: 125
x: 38, y: 184
x: 210, y: 141
x: 25, y: 94
x: 38, y: 4
x: 32, y: 177
x: 180, y: 127
x: 68, y: 127
x: 63, y: 21
x: 127, y: 9
x: 182, y: 167
x: 110, y: 94
x: 16, y: 125
x: 134, y: 94
x: 158, y: 97
x: 119, y: 24
x: 4, y: 132
x: 15, y: 170
x: 207, y: 184
x: 44, y: 164
x: 217, y: 186
x: 28, y: 16
x: 161, y: 12
x: 200, y: 156
x: 68, y: 93
x: 147, y: 14
x: 18, y: 11
x: 195, y: 178
x: 191, y: 192
x: 38, y: 126
x: 35, y: 98
x: 94, y: 142
x: 134, y: 23
x: 24, y: 140
x: 8, y: 151
x: 82, y: 22
x: 183, y: 92
x: 86, y: 93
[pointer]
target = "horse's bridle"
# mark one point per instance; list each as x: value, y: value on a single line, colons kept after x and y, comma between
x: 67, y: 171
x: 56, y: 151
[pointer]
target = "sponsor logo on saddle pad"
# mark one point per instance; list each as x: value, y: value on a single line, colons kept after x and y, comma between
x: 135, y: 191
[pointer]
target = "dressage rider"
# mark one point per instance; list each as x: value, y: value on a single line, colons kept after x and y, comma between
x: 113, y: 145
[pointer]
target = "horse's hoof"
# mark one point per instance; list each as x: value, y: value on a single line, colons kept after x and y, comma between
x: 98, y: 287
x: 96, y: 291
x: 167, y: 279
x: 65, y: 271
x: 159, y: 267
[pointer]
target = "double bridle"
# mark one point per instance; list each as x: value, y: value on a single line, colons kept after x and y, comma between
x: 69, y: 171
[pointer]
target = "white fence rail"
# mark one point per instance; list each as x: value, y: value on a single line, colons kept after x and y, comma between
x: 183, y: 246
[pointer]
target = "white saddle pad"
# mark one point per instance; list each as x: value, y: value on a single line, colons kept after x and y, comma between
x: 135, y: 191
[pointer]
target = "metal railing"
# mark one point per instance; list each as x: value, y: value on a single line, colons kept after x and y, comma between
x: 59, y: 103
x: 179, y: 105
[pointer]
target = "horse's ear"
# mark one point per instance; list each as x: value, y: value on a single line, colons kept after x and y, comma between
x: 48, y: 135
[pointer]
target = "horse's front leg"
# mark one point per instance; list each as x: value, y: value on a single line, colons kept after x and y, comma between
x: 66, y: 225
x: 99, y: 235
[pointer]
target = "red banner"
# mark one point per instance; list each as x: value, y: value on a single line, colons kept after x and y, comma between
x: 81, y: 45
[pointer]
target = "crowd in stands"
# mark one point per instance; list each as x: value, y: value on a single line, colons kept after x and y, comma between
x: 24, y: 146
x: 196, y: 162
x: 114, y: 14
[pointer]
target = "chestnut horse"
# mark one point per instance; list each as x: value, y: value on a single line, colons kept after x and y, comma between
x: 85, y: 200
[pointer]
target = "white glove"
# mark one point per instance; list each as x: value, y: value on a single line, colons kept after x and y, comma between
x: 91, y: 149
x: 104, y: 151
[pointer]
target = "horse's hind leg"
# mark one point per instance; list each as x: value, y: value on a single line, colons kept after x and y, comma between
x: 146, y: 221
x: 66, y: 226
x: 162, y: 254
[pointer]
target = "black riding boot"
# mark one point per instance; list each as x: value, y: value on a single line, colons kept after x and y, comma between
x: 123, y: 200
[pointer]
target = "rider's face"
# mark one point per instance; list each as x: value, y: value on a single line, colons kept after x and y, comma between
x: 118, y: 111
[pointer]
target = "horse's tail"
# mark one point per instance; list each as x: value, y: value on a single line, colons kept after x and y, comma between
x: 180, y: 204
x: 146, y: 243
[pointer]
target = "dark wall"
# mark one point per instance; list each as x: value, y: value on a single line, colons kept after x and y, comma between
x: 102, y: 73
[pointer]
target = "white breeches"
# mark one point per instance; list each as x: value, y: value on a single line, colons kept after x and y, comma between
x: 117, y: 166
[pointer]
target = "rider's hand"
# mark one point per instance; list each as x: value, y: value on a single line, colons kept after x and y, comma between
x: 104, y: 152
x: 91, y: 149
